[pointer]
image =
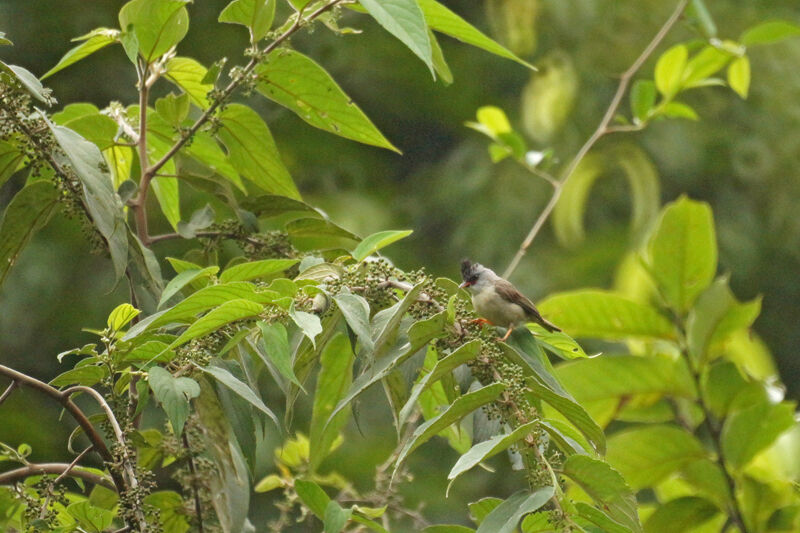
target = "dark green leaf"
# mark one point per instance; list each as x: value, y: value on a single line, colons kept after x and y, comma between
x: 252, y: 150
x: 91, y: 518
x: 460, y: 408
x: 312, y: 496
x: 29, y: 82
x: 315, y: 234
x: 85, y: 375
x: 28, y: 212
x: 101, y: 200
x: 183, y: 279
x: 404, y: 20
x: 599, y: 518
x: 173, y: 394
x: 10, y: 159
x: 479, y: 510
x: 335, y: 517
x: 505, y: 517
x: 242, y: 390
x: 300, y: 84
x: 606, y: 486
x: 335, y: 377
x: 275, y: 344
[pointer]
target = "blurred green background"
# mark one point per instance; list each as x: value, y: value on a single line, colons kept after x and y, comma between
x: 742, y: 157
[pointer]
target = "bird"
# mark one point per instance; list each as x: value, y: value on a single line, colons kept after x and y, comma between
x: 497, y: 301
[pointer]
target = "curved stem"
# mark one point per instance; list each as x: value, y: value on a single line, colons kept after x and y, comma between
x: 79, y: 416
x: 62, y: 469
x: 601, y: 130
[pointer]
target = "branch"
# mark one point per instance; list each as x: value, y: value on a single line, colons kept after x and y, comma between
x: 138, y: 203
x: 172, y: 236
x: 79, y: 416
x: 148, y: 172
x: 601, y: 130
x: 198, y: 508
x: 62, y: 469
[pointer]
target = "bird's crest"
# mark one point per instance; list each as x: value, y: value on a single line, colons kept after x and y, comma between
x: 469, y: 269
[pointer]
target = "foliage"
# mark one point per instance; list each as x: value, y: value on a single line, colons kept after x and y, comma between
x: 185, y: 373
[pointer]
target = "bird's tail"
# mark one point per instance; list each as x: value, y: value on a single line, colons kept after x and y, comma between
x: 549, y: 326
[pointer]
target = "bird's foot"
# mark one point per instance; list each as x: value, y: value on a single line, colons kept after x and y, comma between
x: 505, y: 337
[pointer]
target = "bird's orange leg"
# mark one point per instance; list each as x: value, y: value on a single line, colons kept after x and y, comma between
x: 480, y: 321
x: 508, y: 332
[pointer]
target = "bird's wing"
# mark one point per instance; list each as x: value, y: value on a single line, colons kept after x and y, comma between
x: 509, y: 293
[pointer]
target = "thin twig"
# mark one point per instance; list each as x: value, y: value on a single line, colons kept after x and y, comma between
x: 8, y: 391
x: 198, y: 508
x: 70, y: 469
x: 138, y: 203
x: 601, y: 130
x: 62, y: 475
x: 173, y: 236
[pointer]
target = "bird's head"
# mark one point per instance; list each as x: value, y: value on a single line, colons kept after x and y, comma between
x: 474, y: 275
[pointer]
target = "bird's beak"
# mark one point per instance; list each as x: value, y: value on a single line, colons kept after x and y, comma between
x: 464, y: 285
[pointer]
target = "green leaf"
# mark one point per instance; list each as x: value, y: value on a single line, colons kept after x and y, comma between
x: 715, y: 316
x: 463, y: 354
x: 669, y: 70
x: 275, y: 344
x: 769, y: 33
x: 183, y: 279
x: 739, y: 76
x: 558, y: 343
x: 461, y: 407
x: 308, y: 323
x: 201, y: 301
x: 88, y: 376
x: 92, y: 126
x: 121, y: 315
x: 10, y: 159
x: 479, y: 510
x: 643, y: 98
x: 298, y: 83
x: 168, y: 196
x: 704, y: 64
x: 312, y: 496
x: 91, y: 518
x: 606, y: 486
x: 313, y: 234
x: 646, y: 455
x: 682, y: 252
x: 158, y: 24
x: 256, y: 269
x: 505, y: 517
x: 752, y: 429
x: 404, y: 20
x: 256, y: 15
x: 228, y: 312
x: 335, y: 377
x: 572, y: 411
x: 252, y: 150
x: 488, y: 448
x: 439, y: 62
x: 356, y: 311
x: 173, y: 394
x: 188, y: 74
x: 443, y: 20
x: 28, y: 212
x: 335, y: 517
x: 599, y: 518
x: 376, y: 241
x: 682, y: 514
x: 205, y: 149
x: 600, y: 378
x: 271, y: 206
x: 29, y: 82
x: 230, y: 381
x: 678, y: 110
x: 174, y: 109
x: 171, y: 513
x: 270, y: 482
x: 102, y: 202
x: 447, y: 528
x: 92, y: 42
x: 606, y: 315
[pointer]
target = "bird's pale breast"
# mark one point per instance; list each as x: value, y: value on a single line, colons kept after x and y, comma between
x: 497, y: 310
